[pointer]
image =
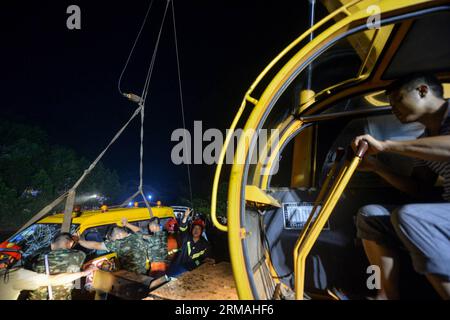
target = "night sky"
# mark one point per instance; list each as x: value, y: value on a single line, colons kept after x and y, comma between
x: 66, y: 81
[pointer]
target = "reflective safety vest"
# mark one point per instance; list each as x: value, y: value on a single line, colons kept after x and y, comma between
x: 196, y: 256
x: 172, y: 245
x: 191, y: 254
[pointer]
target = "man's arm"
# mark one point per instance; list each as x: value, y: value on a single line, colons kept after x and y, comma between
x: 183, y: 225
x: 418, y: 185
x: 208, y: 255
x: 428, y: 148
x: 130, y: 226
x: 405, y: 184
x: 63, y: 278
x: 30, y: 280
x: 92, y: 245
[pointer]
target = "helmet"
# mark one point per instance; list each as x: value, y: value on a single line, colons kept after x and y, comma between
x: 171, y: 225
x: 8, y: 258
x: 198, y: 222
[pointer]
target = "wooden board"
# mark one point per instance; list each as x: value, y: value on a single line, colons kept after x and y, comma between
x: 207, y: 282
x: 122, y: 284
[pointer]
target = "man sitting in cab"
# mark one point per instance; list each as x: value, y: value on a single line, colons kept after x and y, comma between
x: 61, y: 259
x: 194, y: 248
x: 131, y: 249
x: 156, y: 243
x: 424, y: 228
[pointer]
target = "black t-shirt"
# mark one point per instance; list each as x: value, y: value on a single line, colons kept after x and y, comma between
x: 441, y: 168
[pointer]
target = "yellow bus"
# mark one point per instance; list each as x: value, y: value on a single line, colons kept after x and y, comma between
x: 92, y: 225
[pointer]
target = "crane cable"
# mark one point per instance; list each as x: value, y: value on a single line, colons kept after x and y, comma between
x: 119, y: 84
x: 155, y: 51
x: 71, y: 193
x: 181, y: 99
x: 142, y: 102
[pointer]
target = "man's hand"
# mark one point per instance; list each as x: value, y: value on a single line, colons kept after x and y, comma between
x: 154, y: 228
x: 89, y: 270
x: 124, y: 222
x: 128, y: 225
x: 76, y: 236
x: 186, y: 215
x: 375, y: 146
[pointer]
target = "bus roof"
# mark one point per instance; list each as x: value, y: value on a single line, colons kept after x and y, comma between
x: 97, y: 218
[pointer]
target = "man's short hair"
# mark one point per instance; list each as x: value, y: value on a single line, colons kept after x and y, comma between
x: 117, y: 229
x: 410, y: 83
x: 62, y: 237
x: 154, y: 220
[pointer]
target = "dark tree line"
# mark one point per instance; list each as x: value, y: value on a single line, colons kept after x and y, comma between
x: 33, y: 173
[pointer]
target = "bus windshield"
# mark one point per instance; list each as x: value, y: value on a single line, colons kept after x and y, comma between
x: 37, y: 237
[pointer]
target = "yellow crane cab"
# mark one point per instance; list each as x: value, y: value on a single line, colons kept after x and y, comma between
x: 275, y: 185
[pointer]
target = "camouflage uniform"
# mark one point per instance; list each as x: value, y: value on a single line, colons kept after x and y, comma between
x: 157, y: 247
x: 131, y: 251
x: 59, y: 261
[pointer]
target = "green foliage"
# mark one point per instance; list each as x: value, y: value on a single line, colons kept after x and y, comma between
x: 203, y: 205
x: 8, y: 203
x: 29, y: 163
x: 222, y: 199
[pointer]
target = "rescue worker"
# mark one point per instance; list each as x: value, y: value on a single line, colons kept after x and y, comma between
x: 61, y: 259
x: 156, y: 243
x: 20, y: 279
x: 131, y: 249
x: 194, y: 248
x: 172, y: 239
x: 423, y: 229
x: 77, y: 210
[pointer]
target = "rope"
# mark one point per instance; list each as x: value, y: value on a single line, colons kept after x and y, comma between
x: 119, y: 84
x: 71, y: 194
x: 144, y: 99
x: 181, y: 98
x: 61, y: 198
x: 155, y: 51
x: 142, y: 102
x: 118, y: 134
x: 141, y: 164
x: 130, y: 199
x: 42, y: 213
